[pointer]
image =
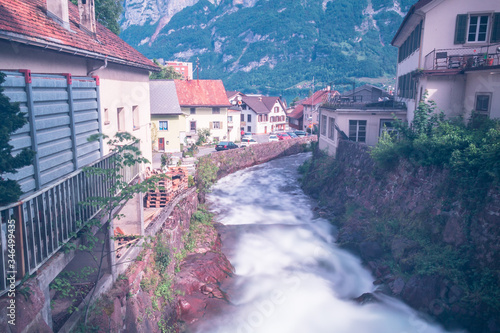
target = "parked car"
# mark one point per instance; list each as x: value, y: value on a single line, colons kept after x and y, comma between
x: 247, y: 135
x: 292, y: 135
x: 283, y: 136
x: 247, y: 142
x: 300, y: 133
x: 225, y: 145
x: 273, y: 137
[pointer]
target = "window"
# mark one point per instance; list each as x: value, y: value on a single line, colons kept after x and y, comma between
x: 215, y: 110
x: 106, y: 116
x: 192, y: 126
x: 357, y: 130
x: 230, y: 119
x: 478, y: 27
x: 475, y: 28
x: 120, y: 115
x: 216, y: 125
x: 265, y: 117
x: 411, y: 44
x: 483, y: 103
x: 192, y: 111
x: 249, y: 129
x: 387, y: 126
x: 407, y: 86
x: 249, y: 118
x: 242, y: 117
x: 163, y: 125
x: 276, y: 109
x: 260, y: 118
x: 135, y: 117
x: 323, y: 125
x: 331, y: 128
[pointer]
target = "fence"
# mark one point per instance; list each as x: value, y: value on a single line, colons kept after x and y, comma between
x: 463, y: 58
x: 46, y: 220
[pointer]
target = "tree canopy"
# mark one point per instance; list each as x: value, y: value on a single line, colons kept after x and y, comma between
x: 166, y: 73
x: 12, y: 120
x: 108, y: 13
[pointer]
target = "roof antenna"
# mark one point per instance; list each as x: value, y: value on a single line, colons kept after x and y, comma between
x: 198, y: 69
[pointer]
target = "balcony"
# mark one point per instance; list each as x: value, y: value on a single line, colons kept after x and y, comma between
x: 47, y: 219
x: 346, y: 103
x: 462, y: 58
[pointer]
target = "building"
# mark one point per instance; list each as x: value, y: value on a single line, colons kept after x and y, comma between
x: 312, y: 104
x: 73, y: 78
x: 233, y: 123
x: 204, y: 104
x: 183, y: 68
x: 361, y: 119
x: 261, y: 114
x: 296, y: 117
x: 450, y: 49
x: 167, y: 119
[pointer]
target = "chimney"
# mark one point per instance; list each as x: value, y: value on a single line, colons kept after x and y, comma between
x: 86, y: 10
x: 58, y: 11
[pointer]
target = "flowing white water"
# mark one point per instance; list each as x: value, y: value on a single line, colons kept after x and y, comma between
x: 290, y: 275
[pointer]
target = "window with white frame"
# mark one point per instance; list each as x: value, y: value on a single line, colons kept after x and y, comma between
x: 249, y: 117
x: 192, y: 110
x: 331, y: 128
x: 106, y: 116
x: 230, y: 119
x: 478, y: 28
x: 483, y: 101
x: 135, y: 117
x: 388, y: 126
x: 216, y: 125
x: 120, y: 115
x: 192, y: 126
x: 163, y: 125
x: 215, y: 110
x: 357, y: 130
x: 323, y: 125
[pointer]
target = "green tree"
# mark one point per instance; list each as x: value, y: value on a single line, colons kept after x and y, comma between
x: 166, y: 73
x: 107, y: 13
x: 12, y: 120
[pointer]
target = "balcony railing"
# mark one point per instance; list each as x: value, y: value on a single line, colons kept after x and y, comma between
x: 389, y: 105
x: 46, y: 220
x: 462, y: 58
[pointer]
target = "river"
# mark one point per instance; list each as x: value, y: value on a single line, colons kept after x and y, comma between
x: 290, y: 276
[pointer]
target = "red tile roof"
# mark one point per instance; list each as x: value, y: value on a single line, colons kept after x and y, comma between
x: 298, y: 112
x: 320, y: 96
x: 201, y: 93
x: 26, y: 21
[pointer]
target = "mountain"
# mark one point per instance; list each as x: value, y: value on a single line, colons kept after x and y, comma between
x: 275, y: 47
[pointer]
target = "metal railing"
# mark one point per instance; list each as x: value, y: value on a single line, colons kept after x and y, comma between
x: 47, y: 219
x: 462, y: 58
x: 389, y: 105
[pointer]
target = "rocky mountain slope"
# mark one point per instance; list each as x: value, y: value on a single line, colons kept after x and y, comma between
x: 271, y: 46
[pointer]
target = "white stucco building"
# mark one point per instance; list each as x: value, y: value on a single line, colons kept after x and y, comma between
x: 451, y: 49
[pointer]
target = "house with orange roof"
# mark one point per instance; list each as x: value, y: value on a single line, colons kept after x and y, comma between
x: 73, y: 78
x: 204, y: 104
x: 296, y: 116
x: 57, y: 37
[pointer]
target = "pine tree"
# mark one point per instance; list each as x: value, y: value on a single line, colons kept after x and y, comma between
x: 12, y: 120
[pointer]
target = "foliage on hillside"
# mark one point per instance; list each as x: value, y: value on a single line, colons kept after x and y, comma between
x: 470, y: 151
x: 277, y: 47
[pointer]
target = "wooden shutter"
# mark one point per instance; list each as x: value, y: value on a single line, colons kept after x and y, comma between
x: 495, y: 31
x: 211, y: 125
x: 461, y: 28
x: 221, y: 124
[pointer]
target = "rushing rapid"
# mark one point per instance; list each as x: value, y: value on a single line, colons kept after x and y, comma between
x: 289, y: 274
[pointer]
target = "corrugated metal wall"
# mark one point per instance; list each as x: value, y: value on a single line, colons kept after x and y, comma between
x: 63, y: 111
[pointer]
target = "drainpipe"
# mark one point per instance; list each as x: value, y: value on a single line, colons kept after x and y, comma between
x: 91, y: 73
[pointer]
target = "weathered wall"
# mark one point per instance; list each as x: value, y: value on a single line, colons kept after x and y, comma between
x: 421, y: 241
x: 229, y: 161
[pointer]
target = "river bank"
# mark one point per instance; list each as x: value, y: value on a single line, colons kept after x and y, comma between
x: 416, y: 233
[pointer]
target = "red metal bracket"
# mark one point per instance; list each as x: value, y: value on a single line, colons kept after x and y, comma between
x: 68, y: 78
x: 27, y: 75
x: 97, y: 80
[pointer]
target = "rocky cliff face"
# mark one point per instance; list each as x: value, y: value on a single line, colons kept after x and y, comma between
x: 433, y: 248
x: 251, y: 43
